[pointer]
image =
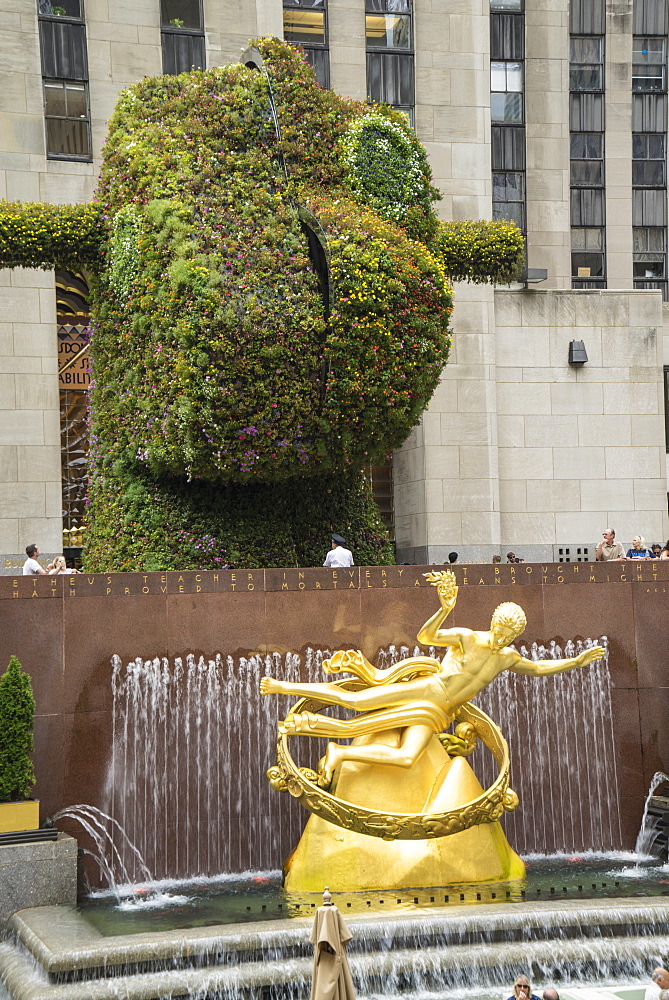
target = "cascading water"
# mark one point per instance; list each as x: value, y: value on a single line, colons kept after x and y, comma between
x: 192, y: 741
x: 563, y: 760
x: 648, y: 831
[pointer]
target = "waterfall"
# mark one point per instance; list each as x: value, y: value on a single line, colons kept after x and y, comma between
x: 192, y: 740
x: 563, y: 753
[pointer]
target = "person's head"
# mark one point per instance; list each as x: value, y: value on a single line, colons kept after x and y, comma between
x: 511, y: 557
x: 32, y: 551
x: 59, y: 563
x: 452, y: 557
x: 507, y: 623
x: 497, y: 559
x: 638, y: 542
x: 609, y: 536
x: 337, y: 540
x: 522, y: 988
x: 656, y: 548
x: 550, y: 994
x: 661, y: 977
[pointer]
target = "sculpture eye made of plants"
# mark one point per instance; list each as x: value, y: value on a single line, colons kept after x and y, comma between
x: 271, y: 310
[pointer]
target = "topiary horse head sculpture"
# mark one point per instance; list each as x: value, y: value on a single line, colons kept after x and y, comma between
x: 270, y: 292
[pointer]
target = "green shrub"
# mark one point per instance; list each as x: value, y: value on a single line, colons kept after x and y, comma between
x: 17, y: 710
x: 40, y: 235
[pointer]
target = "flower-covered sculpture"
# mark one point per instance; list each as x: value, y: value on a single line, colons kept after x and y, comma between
x: 271, y: 301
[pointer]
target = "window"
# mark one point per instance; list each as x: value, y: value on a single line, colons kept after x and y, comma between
x: 506, y: 91
x: 508, y: 147
x: 586, y: 64
x: 507, y: 36
x: 587, y: 17
x: 64, y: 63
x: 649, y: 113
x: 587, y: 161
x: 390, y: 60
x: 67, y: 119
x: 587, y: 253
x: 650, y: 17
x: 650, y: 252
x: 516, y: 5
x: 649, y: 160
x: 508, y: 197
x: 182, y: 35
x: 649, y: 207
x: 305, y: 23
x: 649, y: 70
x: 587, y: 207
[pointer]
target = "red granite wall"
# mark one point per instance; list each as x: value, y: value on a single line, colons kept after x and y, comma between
x: 65, y: 629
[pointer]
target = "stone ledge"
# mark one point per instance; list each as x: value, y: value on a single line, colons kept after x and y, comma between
x: 43, y: 874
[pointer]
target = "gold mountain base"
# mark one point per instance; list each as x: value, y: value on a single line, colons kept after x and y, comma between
x: 348, y: 861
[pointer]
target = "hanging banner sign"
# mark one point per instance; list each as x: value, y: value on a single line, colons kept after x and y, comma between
x: 73, y: 360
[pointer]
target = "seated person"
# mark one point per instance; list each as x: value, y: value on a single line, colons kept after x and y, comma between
x: 522, y: 989
x: 638, y: 550
x: 658, y: 981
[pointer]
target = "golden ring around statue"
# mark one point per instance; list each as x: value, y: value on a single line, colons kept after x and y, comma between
x: 302, y: 783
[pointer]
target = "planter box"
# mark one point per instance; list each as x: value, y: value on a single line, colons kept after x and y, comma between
x: 19, y: 816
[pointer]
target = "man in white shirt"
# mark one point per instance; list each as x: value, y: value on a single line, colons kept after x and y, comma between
x: 658, y: 981
x: 338, y: 556
x: 31, y: 567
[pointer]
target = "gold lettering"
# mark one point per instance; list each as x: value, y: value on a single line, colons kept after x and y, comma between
x: 334, y: 574
x: 34, y: 593
x: 146, y: 590
x: 301, y: 585
x: 367, y: 573
x: 126, y: 590
x: 560, y: 579
x: 107, y: 591
x: 233, y: 586
x: 300, y: 576
x: 592, y: 578
x: 180, y: 578
x: 15, y: 583
x: 385, y: 583
x: 198, y: 588
x: 334, y: 584
x: 284, y: 586
x: 163, y: 590
x: 383, y: 572
x: 496, y: 570
x: 109, y: 580
x: 198, y: 577
x: 181, y: 588
x: 497, y: 580
x: 73, y: 593
x: 544, y: 569
x: 574, y: 566
x: 399, y: 572
x: 351, y: 584
x: 416, y: 583
x: 481, y: 581
x: 369, y: 583
x: 144, y: 577
x: 528, y: 569
x: 216, y: 576
x: 90, y: 579
x: 163, y: 578
x: 250, y: 586
x: 318, y: 586
x: 250, y: 576
x: 623, y: 578
x: 233, y: 576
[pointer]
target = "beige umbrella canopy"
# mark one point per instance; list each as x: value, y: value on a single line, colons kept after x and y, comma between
x: 332, y: 976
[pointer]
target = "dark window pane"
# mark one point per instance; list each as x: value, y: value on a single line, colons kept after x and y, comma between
x: 60, y: 8
x: 587, y: 265
x: 63, y: 47
x: 508, y: 187
x: 511, y: 211
x: 586, y: 17
x: 649, y: 113
x: 390, y: 78
x: 585, y: 78
x: 585, y: 50
x: 648, y: 268
x: 305, y: 26
x: 508, y: 148
x: 648, y: 173
x: 181, y: 53
x: 506, y: 107
x: 587, y: 172
x: 587, y: 239
x: 54, y: 99
x: 77, y: 104
x: 587, y: 207
x: 506, y: 36
x: 586, y: 113
x: 586, y: 145
x: 320, y: 60
x: 389, y: 6
x: 181, y: 14
x: 68, y: 138
x: 648, y: 239
x: 649, y: 207
x: 650, y: 17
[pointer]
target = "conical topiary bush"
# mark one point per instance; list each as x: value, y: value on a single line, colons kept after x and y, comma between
x: 17, y: 710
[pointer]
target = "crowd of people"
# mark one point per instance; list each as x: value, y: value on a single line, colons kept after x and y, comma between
x: 609, y: 550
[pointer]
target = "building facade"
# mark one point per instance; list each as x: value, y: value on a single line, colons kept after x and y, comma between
x: 548, y: 112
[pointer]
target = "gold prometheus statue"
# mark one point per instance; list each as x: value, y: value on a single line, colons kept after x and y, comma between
x: 418, y: 698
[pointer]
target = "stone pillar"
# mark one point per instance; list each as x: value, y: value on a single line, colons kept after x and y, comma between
x: 547, y: 139
x: 446, y: 491
x: 618, y: 144
x: 348, y: 60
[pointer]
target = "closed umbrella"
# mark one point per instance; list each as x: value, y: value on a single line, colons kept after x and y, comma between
x: 332, y: 975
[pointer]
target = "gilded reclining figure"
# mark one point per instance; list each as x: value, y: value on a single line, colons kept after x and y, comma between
x: 419, y: 695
